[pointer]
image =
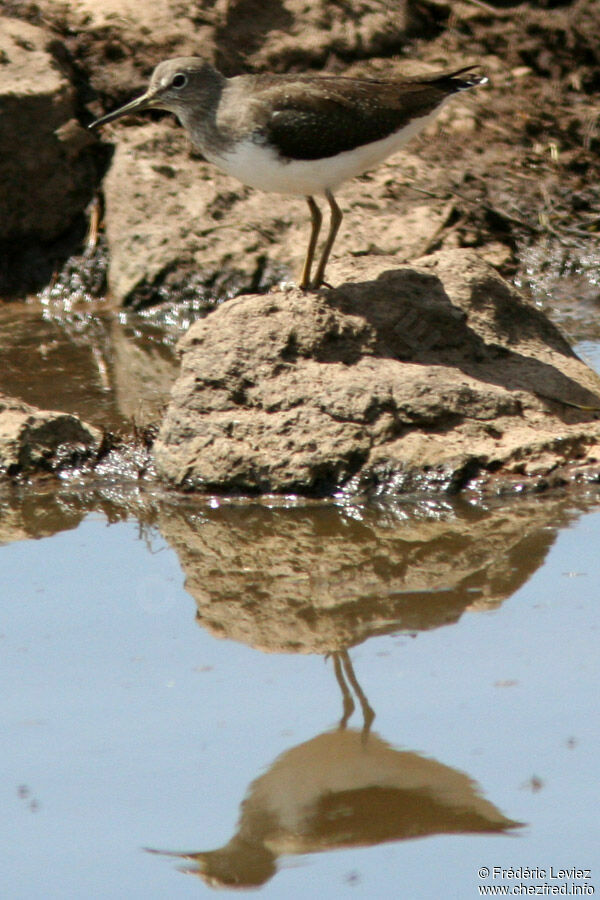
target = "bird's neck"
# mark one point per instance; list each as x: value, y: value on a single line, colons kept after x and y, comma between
x: 200, y: 117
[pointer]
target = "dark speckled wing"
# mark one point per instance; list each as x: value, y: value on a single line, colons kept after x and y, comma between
x: 315, y: 134
x: 313, y: 118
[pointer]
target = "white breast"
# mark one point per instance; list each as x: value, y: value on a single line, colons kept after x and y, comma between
x: 260, y: 167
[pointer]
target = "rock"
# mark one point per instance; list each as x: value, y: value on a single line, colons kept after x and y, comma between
x: 408, y: 378
x: 295, y: 33
x: 117, y: 43
x: 233, y: 34
x: 46, y: 174
x: 165, y: 222
x: 40, y: 440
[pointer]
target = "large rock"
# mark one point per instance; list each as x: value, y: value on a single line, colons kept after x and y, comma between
x: 421, y: 377
x: 46, y: 176
x: 43, y: 440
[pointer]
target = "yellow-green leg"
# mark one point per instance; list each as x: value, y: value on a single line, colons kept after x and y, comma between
x: 334, y: 225
x: 316, y: 219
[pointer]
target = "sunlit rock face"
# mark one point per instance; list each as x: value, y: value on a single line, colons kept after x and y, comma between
x: 47, y: 176
x: 41, y: 440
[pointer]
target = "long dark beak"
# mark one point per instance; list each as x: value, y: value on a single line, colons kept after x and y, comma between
x: 146, y: 101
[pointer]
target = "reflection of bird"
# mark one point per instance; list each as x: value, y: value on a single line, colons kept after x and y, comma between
x: 344, y: 673
x: 342, y: 790
x: 297, y: 134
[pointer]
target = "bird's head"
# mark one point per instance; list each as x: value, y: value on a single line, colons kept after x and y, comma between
x: 176, y: 85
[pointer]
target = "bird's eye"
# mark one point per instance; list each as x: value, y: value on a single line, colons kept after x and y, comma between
x: 179, y: 80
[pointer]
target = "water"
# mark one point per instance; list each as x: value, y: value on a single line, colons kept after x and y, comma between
x: 316, y: 699
x: 157, y: 674
x: 108, y: 367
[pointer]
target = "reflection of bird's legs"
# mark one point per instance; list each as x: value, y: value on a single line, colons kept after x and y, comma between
x: 368, y: 714
x: 348, y: 701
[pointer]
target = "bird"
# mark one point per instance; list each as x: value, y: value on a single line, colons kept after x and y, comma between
x: 297, y: 134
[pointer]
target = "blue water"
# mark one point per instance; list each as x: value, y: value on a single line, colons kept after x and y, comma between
x: 124, y: 724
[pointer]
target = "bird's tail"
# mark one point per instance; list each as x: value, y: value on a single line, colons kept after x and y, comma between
x: 462, y: 79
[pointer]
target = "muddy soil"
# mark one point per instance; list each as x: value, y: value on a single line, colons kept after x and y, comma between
x: 519, y: 171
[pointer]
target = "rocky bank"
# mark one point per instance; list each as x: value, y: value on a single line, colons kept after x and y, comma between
x: 422, y: 368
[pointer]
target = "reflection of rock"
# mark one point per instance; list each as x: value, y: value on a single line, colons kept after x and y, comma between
x: 109, y: 371
x: 142, y: 371
x: 59, y: 358
x: 412, y: 377
x: 316, y: 579
x: 115, y: 488
x: 342, y: 790
x: 36, y: 514
x: 42, y: 440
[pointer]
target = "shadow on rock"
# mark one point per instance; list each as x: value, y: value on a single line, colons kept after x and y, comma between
x: 431, y: 330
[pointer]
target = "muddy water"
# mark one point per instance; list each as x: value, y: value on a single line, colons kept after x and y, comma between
x: 312, y: 699
x: 110, y: 368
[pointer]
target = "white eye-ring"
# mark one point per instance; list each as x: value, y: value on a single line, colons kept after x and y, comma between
x: 179, y: 81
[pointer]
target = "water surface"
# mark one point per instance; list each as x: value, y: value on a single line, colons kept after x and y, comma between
x: 350, y: 701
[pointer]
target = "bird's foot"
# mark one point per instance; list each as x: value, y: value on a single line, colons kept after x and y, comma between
x: 312, y: 286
